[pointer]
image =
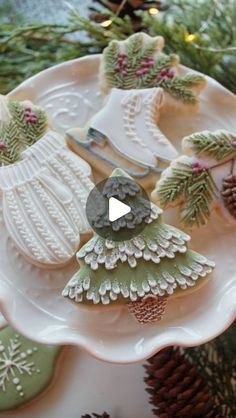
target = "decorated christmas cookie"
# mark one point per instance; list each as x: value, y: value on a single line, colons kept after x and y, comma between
x: 141, y: 272
x: 131, y: 139
x: 21, y: 125
x: 26, y: 368
x: 43, y: 187
x: 138, y: 62
x: 43, y: 201
x: 202, y: 180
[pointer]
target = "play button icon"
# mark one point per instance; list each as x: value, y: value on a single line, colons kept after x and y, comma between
x: 118, y: 208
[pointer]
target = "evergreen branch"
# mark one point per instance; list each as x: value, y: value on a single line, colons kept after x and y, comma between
x: 41, y: 45
x: 163, y: 61
x: 9, y: 137
x: 191, y: 79
x: 28, y: 133
x: 173, y: 187
x: 195, y: 189
x: 198, y: 198
x: 219, y: 144
x: 176, y: 88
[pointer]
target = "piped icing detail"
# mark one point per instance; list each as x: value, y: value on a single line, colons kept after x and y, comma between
x: 156, y: 262
x: 138, y: 62
x: 203, y: 180
x: 26, y: 368
x: 44, y: 197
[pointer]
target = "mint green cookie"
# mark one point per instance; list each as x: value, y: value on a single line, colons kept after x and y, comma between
x: 26, y: 368
x: 144, y: 270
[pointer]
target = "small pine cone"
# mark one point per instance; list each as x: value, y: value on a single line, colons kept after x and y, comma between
x: 177, y: 388
x: 229, y: 194
x: 149, y: 309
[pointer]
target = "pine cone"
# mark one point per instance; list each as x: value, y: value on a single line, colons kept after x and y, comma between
x: 229, y: 194
x: 177, y: 388
x: 149, y: 309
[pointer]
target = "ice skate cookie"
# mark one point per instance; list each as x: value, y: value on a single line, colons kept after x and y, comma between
x: 203, y: 180
x: 138, y: 62
x: 142, y: 272
x: 125, y: 133
x: 26, y: 368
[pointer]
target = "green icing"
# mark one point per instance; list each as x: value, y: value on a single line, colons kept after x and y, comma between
x: 156, y: 262
x: 139, y: 277
x: 20, y: 132
x: 26, y: 368
x: 219, y: 145
x: 137, y: 63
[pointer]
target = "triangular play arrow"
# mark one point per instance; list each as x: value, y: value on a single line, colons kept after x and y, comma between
x: 117, y: 209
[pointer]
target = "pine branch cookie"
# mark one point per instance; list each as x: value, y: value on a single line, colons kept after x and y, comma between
x: 138, y: 62
x: 141, y: 272
x: 202, y: 180
x: 26, y: 368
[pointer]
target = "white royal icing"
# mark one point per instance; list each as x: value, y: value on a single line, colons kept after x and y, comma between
x: 129, y: 121
x: 44, y: 197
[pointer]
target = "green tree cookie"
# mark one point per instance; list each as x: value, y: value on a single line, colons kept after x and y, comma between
x: 141, y: 272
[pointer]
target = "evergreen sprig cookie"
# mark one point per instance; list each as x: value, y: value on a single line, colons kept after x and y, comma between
x: 203, y: 180
x: 138, y: 62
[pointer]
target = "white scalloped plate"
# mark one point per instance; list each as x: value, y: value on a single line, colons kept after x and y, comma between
x: 30, y: 298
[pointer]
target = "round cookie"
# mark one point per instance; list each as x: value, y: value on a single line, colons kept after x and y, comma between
x: 26, y: 368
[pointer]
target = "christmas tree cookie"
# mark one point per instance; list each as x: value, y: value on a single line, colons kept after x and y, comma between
x: 43, y: 186
x: 202, y: 180
x: 133, y: 139
x: 142, y: 272
x: 138, y: 62
x: 26, y: 368
x: 21, y: 125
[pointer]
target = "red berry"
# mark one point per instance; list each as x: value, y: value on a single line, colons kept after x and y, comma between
x: 2, y: 146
